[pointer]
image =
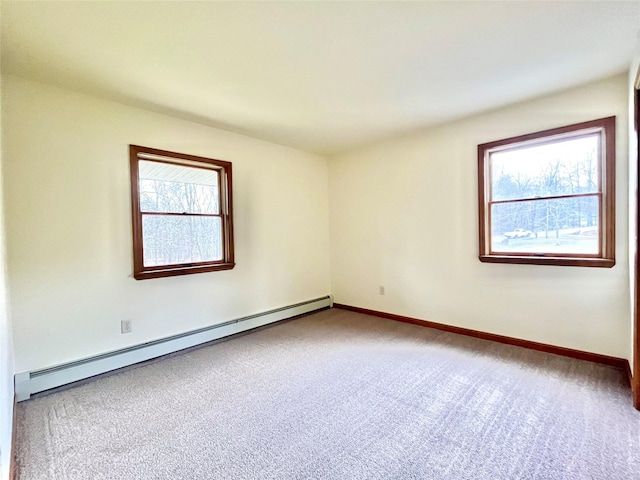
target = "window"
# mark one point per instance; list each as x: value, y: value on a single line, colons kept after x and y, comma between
x: 182, y: 213
x: 549, y: 197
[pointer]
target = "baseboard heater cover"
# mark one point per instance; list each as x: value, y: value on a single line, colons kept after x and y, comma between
x: 29, y: 383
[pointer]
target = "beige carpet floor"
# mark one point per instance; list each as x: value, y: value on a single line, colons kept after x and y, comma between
x: 339, y: 395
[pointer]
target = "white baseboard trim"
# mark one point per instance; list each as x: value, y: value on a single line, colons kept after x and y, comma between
x: 28, y: 383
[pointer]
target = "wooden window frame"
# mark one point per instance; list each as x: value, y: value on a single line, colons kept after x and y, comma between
x: 223, y: 168
x: 605, y: 127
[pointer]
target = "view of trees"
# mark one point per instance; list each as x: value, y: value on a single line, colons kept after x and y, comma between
x: 565, y: 169
x: 190, y: 230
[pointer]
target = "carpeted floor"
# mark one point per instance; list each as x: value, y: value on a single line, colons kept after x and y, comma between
x: 340, y: 395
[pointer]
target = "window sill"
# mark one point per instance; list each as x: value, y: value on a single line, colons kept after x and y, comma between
x: 558, y: 261
x: 171, y: 272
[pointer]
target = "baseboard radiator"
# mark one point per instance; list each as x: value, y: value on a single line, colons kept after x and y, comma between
x: 29, y: 383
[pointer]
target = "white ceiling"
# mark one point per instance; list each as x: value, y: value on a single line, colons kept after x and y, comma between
x: 321, y: 76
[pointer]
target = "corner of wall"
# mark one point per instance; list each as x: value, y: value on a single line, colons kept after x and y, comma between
x: 6, y: 346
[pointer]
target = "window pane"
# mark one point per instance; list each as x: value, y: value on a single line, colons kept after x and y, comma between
x: 567, y: 225
x: 170, y: 239
x: 565, y: 167
x: 177, y: 189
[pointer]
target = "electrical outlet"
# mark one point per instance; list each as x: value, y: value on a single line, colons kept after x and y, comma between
x: 125, y: 326
x: 381, y: 289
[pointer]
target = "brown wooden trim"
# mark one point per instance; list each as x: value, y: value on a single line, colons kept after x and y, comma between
x: 168, y: 155
x: 14, y: 440
x: 484, y: 216
x: 629, y: 375
x: 549, y: 260
x: 214, y: 167
x: 544, y: 135
x: 636, y: 276
x: 227, y: 210
x: 136, y: 218
x: 608, y: 223
x: 605, y: 128
x: 183, y: 270
x: 619, y: 363
x: 185, y: 265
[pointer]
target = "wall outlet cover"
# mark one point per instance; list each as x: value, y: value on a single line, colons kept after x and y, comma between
x: 125, y: 326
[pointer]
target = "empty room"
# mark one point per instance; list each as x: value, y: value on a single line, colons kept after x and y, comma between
x: 319, y: 240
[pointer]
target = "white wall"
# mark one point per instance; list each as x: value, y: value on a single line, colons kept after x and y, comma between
x: 69, y: 226
x: 6, y: 345
x: 404, y: 214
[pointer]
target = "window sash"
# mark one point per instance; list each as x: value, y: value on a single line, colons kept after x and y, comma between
x: 189, y: 263
x: 596, y: 134
x: 544, y: 253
